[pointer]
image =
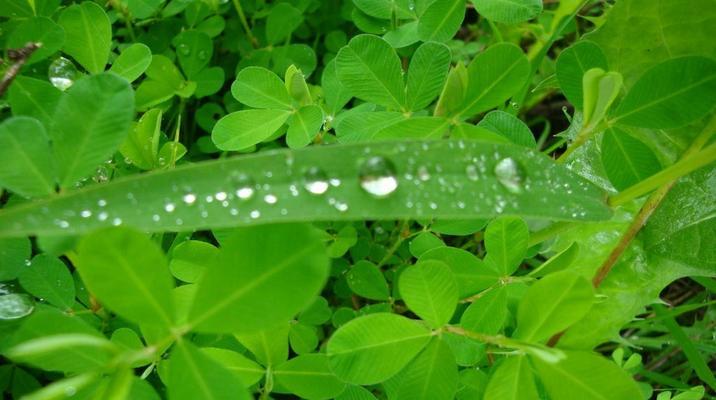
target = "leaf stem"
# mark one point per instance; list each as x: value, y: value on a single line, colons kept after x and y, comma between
x: 245, y: 24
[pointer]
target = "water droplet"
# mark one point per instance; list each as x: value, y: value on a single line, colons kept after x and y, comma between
x: 15, y: 306
x: 70, y: 391
x: 189, y: 198
x: 117, y: 221
x: 510, y: 175
x: 62, y: 73
x: 315, y: 181
x: 169, y: 207
x: 423, y: 173
x: 202, y: 55
x: 220, y: 196
x: 156, y: 218
x: 85, y: 213
x: 255, y: 214
x: 270, y: 199
x: 342, y: 207
x: 183, y: 49
x: 101, y: 202
x: 245, y: 186
x: 378, y: 177
x: 472, y: 172
x: 102, y: 216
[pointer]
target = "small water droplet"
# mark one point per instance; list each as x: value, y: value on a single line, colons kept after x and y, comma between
x: 244, y: 186
x: 101, y: 202
x: 117, y: 221
x: 169, y: 207
x: 85, y: 213
x: 315, y: 181
x: 183, y: 49
x: 102, y: 216
x: 378, y: 177
x: 62, y: 73
x: 202, y: 55
x: 270, y: 199
x: 423, y: 173
x: 255, y: 214
x: 472, y: 173
x: 189, y: 198
x: 220, y: 196
x: 510, y: 175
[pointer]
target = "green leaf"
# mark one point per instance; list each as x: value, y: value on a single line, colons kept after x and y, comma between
x: 194, y: 375
x: 88, y: 35
x: 260, y: 88
x: 37, y: 30
x: 432, y: 375
x: 425, y: 128
x: 27, y: 168
x: 488, y: 313
x: 361, y: 126
x: 493, y: 76
x: 142, y: 9
x: 572, y: 63
x: 471, y: 273
x: 423, y: 243
x: 14, y: 253
x: 34, y: 98
x: 427, y: 73
x: 626, y: 160
x: 286, y: 263
x: 248, y: 371
x: 600, y: 90
x: 429, y: 289
x: 115, y: 258
x: 372, y: 348
x: 208, y: 81
x: 508, y: 11
x: 296, y: 86
x: 243, y: 129
x: 441, y: 20
x: 303, y: 126
x: 353, y: 392
x: 586, y: 376
x: 194, y: 51
x: 552, y: 304
x: 132, y: 62
x: 671, y: 94
x: 92, y: 119
x: 512, y: 380
x: 382, y: 9
x: 370, y: 69
x: 303, y: 338
x: 453, y: 93
x: 48, y: 278
x: 366, y: 280
x: 560, y: 194
x: 510, y: 127
x: 142, y: 143
x: 309, y: 376
x: 335, y: 95
x: 403, y: 36
x: 190, y: 259
x: 269, y: 346
x: 281, y: 22
x: 506, y: 243
x: 73, y: 352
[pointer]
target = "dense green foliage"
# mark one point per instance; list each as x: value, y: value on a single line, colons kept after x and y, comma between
x: 366, y: 199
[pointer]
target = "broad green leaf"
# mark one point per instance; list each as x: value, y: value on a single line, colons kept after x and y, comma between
x: 37, y: 30
x: 335, y: 95
x: 17, y: 8
x: 74, y: 352
x: 303, y: 338
x: 115, y: 258
x: 467, y: 352
x: 425, y: 128
x: 639, y: 34
x: 194, y: 375
x: 34, y: 98
x: 370, y: 69
x: 403, y: 36
x: 508, y: 11
x: 208, y: 81
x: 572, y: 63
x: 432, y: 375
x: 382, y: 9
x: 423, y: 243
x: 260, y: 88
x: 298, y: 54
x: 372, y: 348
x: 88, y: 35
x: 671, y: 94
x: 441, y: 20
x: 552, y: 304
x: 132, y: 62
x: 471, y: 273
x: 14, y: 253
x: 342, y: 241
x: 309, y: 376
x: 26, y: 168
x: 487, y: 313
x: 506, y: 243
x: 472, y: 384
x: 510, y: 127
x: 281, y: 22
x: 194, y: 51
x: 142, y: 9
x: 552, y: 191
x: 493, y: 76
x: 354, y: 392
x: 248, y: 371
x: 303, y: 126
x: 366, y: 280
x: 269, y: 346
x: 162, y: 69
x: 190, y: 259
x: 454, y: 91
x: 48, y: 278
x: 243, y: 129
x: 588, y: 376
x: 91, y: 120
x: 600, y: 90
x: 142, y: 143
x: 296, y: 85
x: 626, y: 160
x: 427, y: 74
x: 284, y: 263
x: 359, y: 126
x: 429, y: 289
x: 512, y: 380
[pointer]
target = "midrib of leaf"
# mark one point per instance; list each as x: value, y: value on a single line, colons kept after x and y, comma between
x: 428, y: 296
x: 356, y: 349
x: 446, y: 17
x: 581, y: 384
x: 254, y: 282
x: 625, y: 156
x: 139, y: 284
x: 489, y: 88
x: 33, y: 168
x: 197, y: 374
x: 376, y: 78
x: 268, y: 95
x: 663, y: 99
x: 90, y: 44
x: 550, y: 310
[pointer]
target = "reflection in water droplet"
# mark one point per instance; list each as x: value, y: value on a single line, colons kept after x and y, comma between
x: 378, y: 177
x: 85, y: 213
x: 244, y: 186
x: 169, y: 207
x: 510, y: 175
x: 423, y: 173
x: 472, y: 172
x: 189, y: 198
x: 220, y: 196
x: 62, y: 73
x: 315, y: 181
x: 255, y: 214
x: 270, y: 199
x: 15, y: 306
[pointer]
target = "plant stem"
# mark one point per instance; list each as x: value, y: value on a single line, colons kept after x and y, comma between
x: 245, y: 24
x: 20, y: 57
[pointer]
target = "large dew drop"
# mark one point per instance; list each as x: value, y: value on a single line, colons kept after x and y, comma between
x: 315, y: 181
x: 62, y: 73
x: 378, y: 177
x: 510, y: 175
x: 15, y: 306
